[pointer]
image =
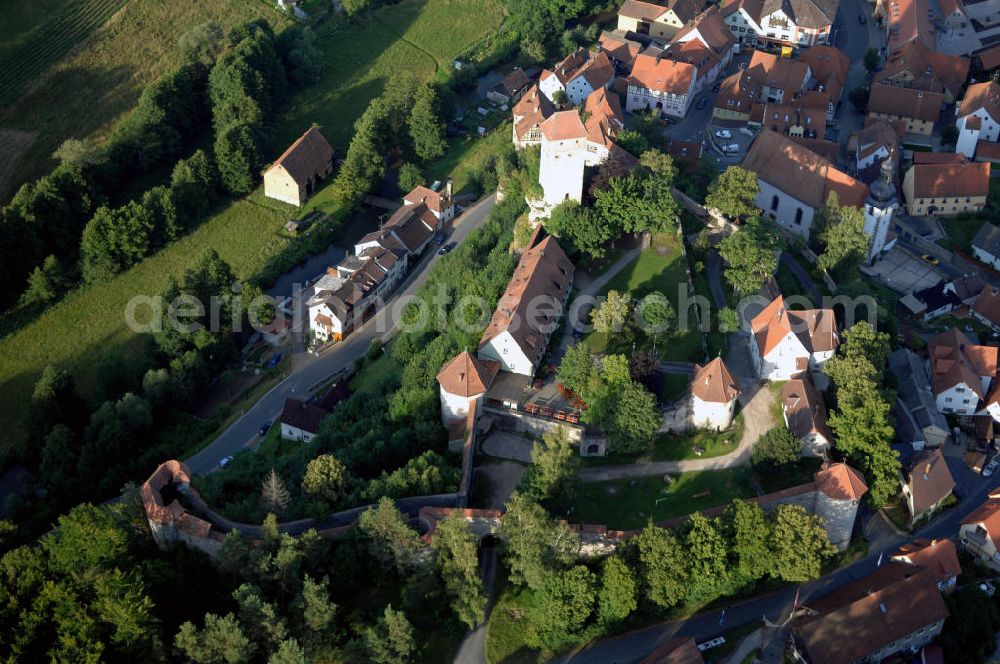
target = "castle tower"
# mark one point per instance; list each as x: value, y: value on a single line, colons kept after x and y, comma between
x: 563, y: 157
x: 462, y: 381
x: 839, y: 489
x: 713, y: 396
x: 879, y: 208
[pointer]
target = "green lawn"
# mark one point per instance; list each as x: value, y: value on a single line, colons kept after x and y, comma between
x: 88, y: 326
x: 635, y: 501
x: 661, y: 268
x: 413, y: 37
x: 669, y: 447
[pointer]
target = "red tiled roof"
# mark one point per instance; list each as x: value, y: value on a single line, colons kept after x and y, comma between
x: 467, y: 376
x: 543, y: 275
x: 804, y: 409
x: 990, y: 58
x: 929, y: 480
x: 937, y: 556
x: 841, y: 482
x: 815, y: 328
x: 984, y: 95
x: 864, y: 616
x: 905, y: 102
x: 661, y: 74
x: 797, y: 170
x: 675, y: 651
x: 956, y: 360
x: 564, y: 126
x: 949, y: 180
x: 713, y: 383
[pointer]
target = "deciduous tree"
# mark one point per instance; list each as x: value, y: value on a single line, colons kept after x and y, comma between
x: 426, y: 127
x: 564, y: 605
x: 749, y: 533
x: 663, y: 565
x: 554, y: 464
x: 612, y: 315
x: 636, y: 420
x: 390, y: 540
x: 616, y: 597
x: 457, y: 561
x: 799, y: 544
x: 751, y: 255
x: 536, y: 545
x: 326, y: 477
x: 734, y: 192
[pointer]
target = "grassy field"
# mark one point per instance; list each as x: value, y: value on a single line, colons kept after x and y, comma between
x: 673, y: 447
x: 660, y: 268
x: 414, y: 37
x: 629, y: 504
x: 87, y: 63
x: 88, y: 327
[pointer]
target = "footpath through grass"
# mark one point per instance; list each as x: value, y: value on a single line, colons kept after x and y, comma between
x: 87, y: 329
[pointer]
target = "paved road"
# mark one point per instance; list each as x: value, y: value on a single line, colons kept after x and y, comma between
x: 310, y: 370
x: 634, y: 646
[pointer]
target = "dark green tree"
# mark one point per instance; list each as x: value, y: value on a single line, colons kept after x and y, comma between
x: 426, y: 127
x: 616, y: 598
x: 457, y: 561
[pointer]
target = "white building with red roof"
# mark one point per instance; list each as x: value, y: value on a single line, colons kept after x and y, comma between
x: 961, y: 372
x: 662, y: 84
x: 785, y: 343
x: 529, y: 309
x: 569, y: 145
x: 714, y: 393
x: 578, y: 75
x: 979, y: 532
x: 939, y: 557
x: 461, y: 381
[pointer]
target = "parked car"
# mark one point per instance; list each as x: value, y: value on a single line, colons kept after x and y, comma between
x: 225, y: 460
x: 438, y: 238
x: 265, y: 427
x: 991, y: 467
x: 732, y: 148
x: 446, y: 248
x: 723, y: 133
x: 701, y: 103
x: 711, y: 643
x: 862, y: 19
x: 988, y: 588
x: 930, y: 259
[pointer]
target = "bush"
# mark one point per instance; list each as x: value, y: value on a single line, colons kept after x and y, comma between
x: 777, y: 447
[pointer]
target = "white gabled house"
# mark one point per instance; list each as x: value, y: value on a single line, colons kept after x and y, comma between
x: 661, y: 84
x: 961, y: 372
x: 805, y: 416
x: 978, y: 117
x: 785, y: 343
x: 578, y: 75
x: 529, y: 309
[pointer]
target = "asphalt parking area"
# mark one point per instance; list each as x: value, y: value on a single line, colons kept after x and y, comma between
x: 905, y: 273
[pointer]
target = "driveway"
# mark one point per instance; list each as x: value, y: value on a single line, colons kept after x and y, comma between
x: 310, y: 370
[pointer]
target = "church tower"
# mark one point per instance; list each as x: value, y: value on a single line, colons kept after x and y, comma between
x: 879, y: 208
